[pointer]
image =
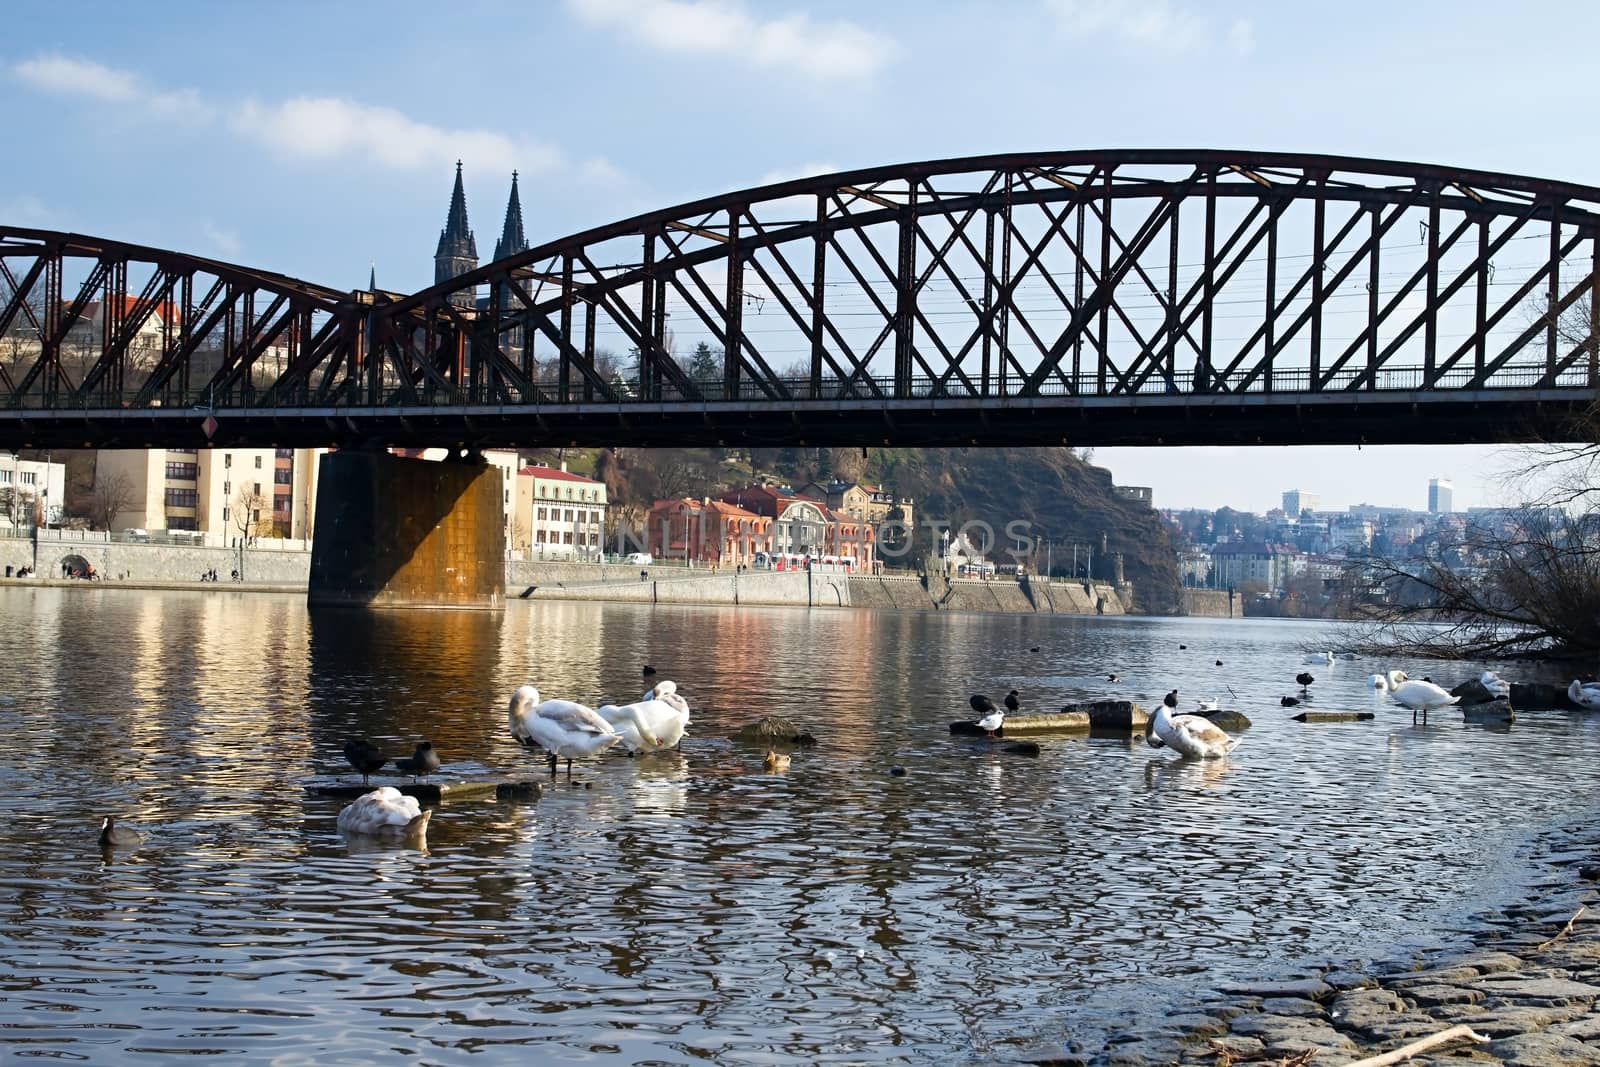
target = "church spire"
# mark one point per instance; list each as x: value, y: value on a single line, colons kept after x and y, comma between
x: 458, y: 250
x: 512, y: 240
x: 372, y: 279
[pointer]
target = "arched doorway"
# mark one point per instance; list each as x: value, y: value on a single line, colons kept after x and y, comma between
x: 75, y: 566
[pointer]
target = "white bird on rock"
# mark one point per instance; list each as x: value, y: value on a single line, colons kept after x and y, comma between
x: 1584, y: 694
x: 1418, y: 694
x: 563, y: 728
x: 1497, y: 686
x: 650, y: 724
x: 1191, y: 736
x: 385, y: 812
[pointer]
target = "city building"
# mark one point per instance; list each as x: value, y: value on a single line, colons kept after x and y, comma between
x: 31, y: 491
x: 558, y: 514
x: 1441, y: 496
x: 221, y: 493
x: 864, y: 503
x: 807, y: 528
x: 708, y: 532
x: 1238, y: 562
x: 1296, y: 501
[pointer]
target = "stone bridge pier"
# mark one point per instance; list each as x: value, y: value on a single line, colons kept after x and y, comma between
x: 399, y: 532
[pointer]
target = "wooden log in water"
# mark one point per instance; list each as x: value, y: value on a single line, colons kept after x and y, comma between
x: 437, y: 792
x: 1334, y: 716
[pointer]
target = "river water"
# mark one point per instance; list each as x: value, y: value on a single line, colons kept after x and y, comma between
x: 690, y: 907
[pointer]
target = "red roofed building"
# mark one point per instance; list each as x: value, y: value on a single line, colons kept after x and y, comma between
x: 709, y: 532
x: 808, y: 529
x: 563, y: 514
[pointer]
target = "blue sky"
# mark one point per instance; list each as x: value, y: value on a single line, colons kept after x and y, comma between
x: 313, y: 138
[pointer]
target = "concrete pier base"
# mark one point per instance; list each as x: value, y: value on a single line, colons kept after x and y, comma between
x: 398, y: 532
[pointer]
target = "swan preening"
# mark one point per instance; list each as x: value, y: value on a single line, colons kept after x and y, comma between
x: 563, y: 728
x: 1320, y: 657
x: 112, y: 835
x: 1418, y: 694
x: 652, y: 723
x: 1386, y: 681
x: 1191, y: 736
x: 1584, y: 694
x: 1497, y: 686
x: 385, y: 812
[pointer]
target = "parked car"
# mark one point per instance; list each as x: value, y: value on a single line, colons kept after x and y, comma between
x: 640, y: 559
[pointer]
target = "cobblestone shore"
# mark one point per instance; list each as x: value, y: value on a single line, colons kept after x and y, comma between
x: 1529, y: 982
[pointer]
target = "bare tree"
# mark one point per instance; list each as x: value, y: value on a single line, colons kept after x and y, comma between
x: 248, y: 503
x: 113, y: 494
x: 16, y: 503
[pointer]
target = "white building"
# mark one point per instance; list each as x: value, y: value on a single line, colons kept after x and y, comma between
x: 558, y: 514
x: 1441, y: 496
x: 222, y: 493
x: 31, y: 491
x: 1297, y: 500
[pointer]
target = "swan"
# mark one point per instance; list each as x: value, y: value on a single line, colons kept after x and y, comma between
x: 1584, y: 694
x: 385, y: 812
x: 1320, y: 657
x: 1497, y: 686
x: 1419, y: 695
x: 1387, y: 680
x: 650, y: 724
x: 111, y: 834
x: 364, y: 757
x: 421, y: 763
x: 560, y: 727
x: 1191, y: 736
x: 775, y: 761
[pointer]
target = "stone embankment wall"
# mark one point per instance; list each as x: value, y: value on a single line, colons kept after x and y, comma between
x: 675, y: 585
x: 271, y: 562
x: 1211, y: 604
x: 1025, y: 596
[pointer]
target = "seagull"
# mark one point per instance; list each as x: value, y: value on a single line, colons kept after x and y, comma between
x: 421, y: 763
x: 992, y: 721
x: 364, y: 757
x: 1209, y: 704
x: 1191, y: 736
x: 1011, y: 701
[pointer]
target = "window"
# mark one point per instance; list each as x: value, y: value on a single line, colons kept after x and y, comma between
x: 282, y: 503
x: 283, y: 477
x: 28, y: 477
x: 566, y: 538
x: 569, y: 492
x: 227, y: 459
x: 181, y: 498
x: 541, y: 514
x: 258, y: 463
x: 182, y: 522
x: 284, y: 453
x: 5, y: 477
x: 539, y: 536
x: 567, y: 515
x: 182, y: 472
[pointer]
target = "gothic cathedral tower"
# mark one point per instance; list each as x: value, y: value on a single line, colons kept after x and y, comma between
x: 458, y: 251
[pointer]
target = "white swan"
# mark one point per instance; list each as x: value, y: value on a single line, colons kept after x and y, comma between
x: 1419, y: 695
x: 560, y: 727
x: 1320, y: 657
x: 1497, y: 686
x: 1584, y: 694
x: 650, y: 724
x: 385, y: 812
x: 1191, y: 736
x: 1387, y: 680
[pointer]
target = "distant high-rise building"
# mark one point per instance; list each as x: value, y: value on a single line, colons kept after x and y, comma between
x: 1297, y: 500
x: 1441, y: 494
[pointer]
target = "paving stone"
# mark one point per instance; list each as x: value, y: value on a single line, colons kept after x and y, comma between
x: 1238, y: 1046
x: 1358, y: 1009
x: 1543, y: 1050
x: 1156, y: 1052
x: 1341, y: 980
x: 1585, y: 1027
x: 1293, y: 1006
x: 1431, y: 996
x: 1399, y: 1029
x: 1506, y: 1020
x: 1293, y: 1034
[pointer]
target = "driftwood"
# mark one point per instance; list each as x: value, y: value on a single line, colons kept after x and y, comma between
x: 1565, y: 930
x: 1417, y: 1048
x: 1335, y: 716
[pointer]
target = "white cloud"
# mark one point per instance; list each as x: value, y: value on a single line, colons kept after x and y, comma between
x: 1154, y: 24
x: 225, y: 241
x: 724, y: 27
x: 63, y: 75
x: 319, y: 128
x: 310, y: 128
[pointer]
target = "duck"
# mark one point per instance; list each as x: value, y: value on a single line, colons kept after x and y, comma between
x: 775, y: 760
x: 1011, y: 701
x: 421, y: 763
x: 1584, y: 694
x: 364, y: 757
x: 1113, y: 677
x: 112, y: 835
x: 980, y: 703
x: 1288, y: 702
x: 563, y: 728
x: 650, y: 724
x: 1191, y: 736
x: 1305, y: 679
x: 1420, y: 695
x: 385, y: 812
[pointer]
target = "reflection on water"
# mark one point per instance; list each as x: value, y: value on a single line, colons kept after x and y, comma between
x: 692, y: 906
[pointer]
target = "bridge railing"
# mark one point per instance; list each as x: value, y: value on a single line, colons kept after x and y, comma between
x: 1258, y: 381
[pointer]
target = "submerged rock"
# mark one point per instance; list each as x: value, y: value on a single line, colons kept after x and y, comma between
x: 770, y: 728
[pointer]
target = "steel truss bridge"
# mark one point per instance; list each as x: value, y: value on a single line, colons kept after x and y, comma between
x: 1087, y: 298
